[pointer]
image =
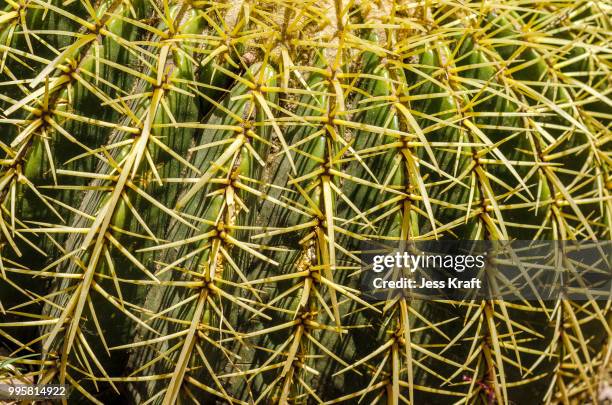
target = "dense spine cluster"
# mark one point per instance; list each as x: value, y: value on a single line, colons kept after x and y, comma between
x: 185, y: 187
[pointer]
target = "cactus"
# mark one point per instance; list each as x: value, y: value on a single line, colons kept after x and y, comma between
x: 186, y: 187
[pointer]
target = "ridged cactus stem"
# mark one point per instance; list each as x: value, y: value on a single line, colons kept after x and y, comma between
x: 190, y: 190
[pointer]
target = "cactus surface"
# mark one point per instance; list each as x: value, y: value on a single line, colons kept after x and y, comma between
x: 185, y: 186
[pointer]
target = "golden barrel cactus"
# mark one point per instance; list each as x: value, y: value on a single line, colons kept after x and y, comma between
x: 185, y: 186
